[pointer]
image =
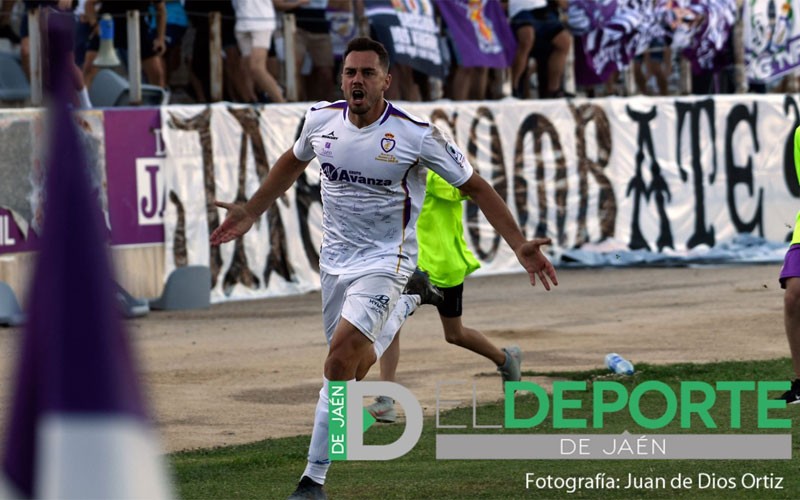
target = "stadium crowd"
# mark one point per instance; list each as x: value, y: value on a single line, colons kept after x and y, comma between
x: 453, y: 49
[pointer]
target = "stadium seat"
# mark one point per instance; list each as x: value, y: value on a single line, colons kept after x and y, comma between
x: 10, y: 312
x: 14, y: 86
x: 130, y: 306
x: 187, y: 287
x: 110, y: 89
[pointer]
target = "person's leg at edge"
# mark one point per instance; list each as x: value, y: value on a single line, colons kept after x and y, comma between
x: 790, y: 282
x: 791, y: 320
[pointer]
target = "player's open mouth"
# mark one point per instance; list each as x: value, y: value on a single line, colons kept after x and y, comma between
x: 358, y: 95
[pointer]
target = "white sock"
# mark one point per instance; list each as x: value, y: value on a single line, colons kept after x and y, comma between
x: 83, y: 98
x: 318, y: 461
x: 405, y: 306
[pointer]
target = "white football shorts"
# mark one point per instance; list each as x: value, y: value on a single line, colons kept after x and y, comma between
x: 365, y: 300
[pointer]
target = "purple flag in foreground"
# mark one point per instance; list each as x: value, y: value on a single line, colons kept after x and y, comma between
x: 78, y: 427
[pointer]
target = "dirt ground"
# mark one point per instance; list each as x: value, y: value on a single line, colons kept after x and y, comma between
x: 246, y: 371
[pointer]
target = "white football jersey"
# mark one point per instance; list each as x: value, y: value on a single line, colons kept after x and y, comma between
x: 373, y: 184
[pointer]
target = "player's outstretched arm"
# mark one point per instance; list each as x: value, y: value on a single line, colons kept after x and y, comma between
x: 528, y: 252
x: 242, y: 216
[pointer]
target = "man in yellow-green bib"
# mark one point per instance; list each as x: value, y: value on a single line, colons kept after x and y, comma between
x: 444, y: 256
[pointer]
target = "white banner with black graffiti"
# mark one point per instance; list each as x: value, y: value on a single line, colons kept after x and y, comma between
x: 670, y: 177
x: 224, y: 152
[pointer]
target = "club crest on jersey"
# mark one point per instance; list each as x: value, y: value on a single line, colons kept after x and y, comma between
x: 455, y: 153
x: 388, y: 143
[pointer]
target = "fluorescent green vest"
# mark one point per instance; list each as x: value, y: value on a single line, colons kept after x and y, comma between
x: 443, y: 253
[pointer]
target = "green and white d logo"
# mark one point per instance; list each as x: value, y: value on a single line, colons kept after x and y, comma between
x: 348, y: 420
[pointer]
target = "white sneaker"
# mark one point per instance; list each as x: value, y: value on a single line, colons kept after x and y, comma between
x: 510, y: 370
x: 383, y: 410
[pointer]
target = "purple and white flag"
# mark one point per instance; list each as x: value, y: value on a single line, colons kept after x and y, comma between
x: 78, y: 426
x: 612, y: 32
x: 479, y: 31
x: 772, y: 38
x: 704, y: 36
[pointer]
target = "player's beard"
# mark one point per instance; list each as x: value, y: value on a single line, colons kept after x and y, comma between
x: 368, y: 101
x: 363, y: 107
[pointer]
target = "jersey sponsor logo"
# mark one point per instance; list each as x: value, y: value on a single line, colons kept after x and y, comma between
x: 388, y: 143
x: 330, y: 135
x: 351, y: 176
x: 326, y: 151
x: 455, y: 153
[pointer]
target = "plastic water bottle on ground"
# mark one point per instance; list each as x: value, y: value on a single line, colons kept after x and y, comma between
x: 618, y: 364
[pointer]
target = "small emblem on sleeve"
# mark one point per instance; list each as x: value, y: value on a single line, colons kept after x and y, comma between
x: 455, y: 153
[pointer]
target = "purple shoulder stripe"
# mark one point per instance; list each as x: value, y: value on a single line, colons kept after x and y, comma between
x: 392, y: 111
x: 333, y: 105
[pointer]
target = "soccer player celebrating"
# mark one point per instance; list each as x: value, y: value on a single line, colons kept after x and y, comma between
x: 372, y: 155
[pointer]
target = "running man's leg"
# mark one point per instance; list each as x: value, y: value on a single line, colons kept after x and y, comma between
x: 457, y: 334
x: 354, y: 310
x: 508, y: 359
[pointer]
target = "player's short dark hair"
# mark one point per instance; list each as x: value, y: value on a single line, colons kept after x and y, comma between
x: 365, y: 44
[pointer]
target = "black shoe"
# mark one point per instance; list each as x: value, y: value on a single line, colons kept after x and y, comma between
x: 792, y: 396
x: 307, y: 489
x: 419, y: 284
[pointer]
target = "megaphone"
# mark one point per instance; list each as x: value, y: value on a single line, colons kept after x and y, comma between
x: 107, y: 55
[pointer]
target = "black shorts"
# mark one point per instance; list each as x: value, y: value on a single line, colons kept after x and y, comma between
x: 452, y: 306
